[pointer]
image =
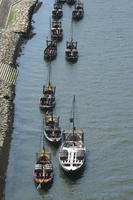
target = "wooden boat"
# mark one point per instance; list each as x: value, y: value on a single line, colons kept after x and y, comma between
x: 71, y: 2
x: 56, y: 30
x: 78, y: 11
x: 72, y: 151
x: 57, y: 11
x: 52, y: 130
x: 71, y: 52
x: 50, y: 52
x: 47, y: 102
x: 43, y: 170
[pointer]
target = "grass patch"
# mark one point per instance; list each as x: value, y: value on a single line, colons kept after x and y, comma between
x: 11, y: 18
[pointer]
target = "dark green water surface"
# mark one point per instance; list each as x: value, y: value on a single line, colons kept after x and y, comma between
x: 102, y: 81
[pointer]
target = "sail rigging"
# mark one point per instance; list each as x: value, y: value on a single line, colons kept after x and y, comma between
x: 73, y: 114
x: 49, y: 73
x: 71, y: 31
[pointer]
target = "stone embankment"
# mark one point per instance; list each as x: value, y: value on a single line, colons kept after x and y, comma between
x: 17, y: 29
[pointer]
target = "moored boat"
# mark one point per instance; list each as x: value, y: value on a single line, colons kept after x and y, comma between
x: 52, y: 130
x: 50, y: 51
x: 78, y: 11
x: 43, y: 169
x: 57, y: 11
x: 72, y: 151
x: 47, y: 102
x: 71, y: 52
x: 56, y: 30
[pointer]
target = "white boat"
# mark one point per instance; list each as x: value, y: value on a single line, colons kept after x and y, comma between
x: 72, y: 151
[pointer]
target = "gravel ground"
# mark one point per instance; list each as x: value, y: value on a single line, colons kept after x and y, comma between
x: 4, y: 9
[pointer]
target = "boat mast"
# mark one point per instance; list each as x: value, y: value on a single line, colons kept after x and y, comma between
x: 49, y: 71
x: 52, y: 115
x: 50, y: 28
x: 73, y: 114
x: 72, y: 30
x: 43, y: 147
x: 42, y: 140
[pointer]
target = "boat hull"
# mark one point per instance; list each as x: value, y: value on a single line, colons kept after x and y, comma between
x: 77, y: 17
x: 43, y: 184
x: 69, y: 159
x: 72, y: 59
x: 73, y: 171
x: 43, y: 170
x: 50, y: 52
x: 52, y: 139
x: 57, y: 37
x: 57, y: 15
x: 49, y: 57
x: 47, y: 107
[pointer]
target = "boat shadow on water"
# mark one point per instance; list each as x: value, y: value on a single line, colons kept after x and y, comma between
x: 53, y: 146
x: 43, y: 189
x: 72, y: 176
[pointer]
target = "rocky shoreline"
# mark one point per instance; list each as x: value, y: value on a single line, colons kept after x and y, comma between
x: 17, y: 30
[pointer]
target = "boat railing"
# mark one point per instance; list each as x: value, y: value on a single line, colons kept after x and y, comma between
x: 56, y: 24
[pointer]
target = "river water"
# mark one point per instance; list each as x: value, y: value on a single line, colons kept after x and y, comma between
x: 103, y: 84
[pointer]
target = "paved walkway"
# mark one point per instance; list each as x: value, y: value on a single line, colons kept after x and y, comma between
x: 4, y: 9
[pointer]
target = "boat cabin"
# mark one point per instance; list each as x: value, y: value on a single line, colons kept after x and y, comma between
x: 47, y: 102
x: 74, y: 136
x: 56, y: 24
